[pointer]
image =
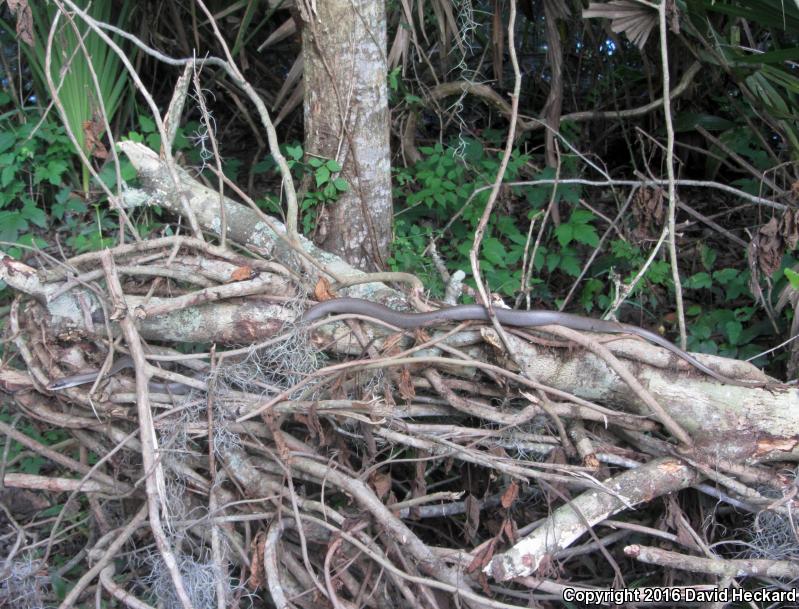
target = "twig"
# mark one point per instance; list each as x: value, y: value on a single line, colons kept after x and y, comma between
x: 675, y: 269
x: 153, y: 471
x: 120, y: 538
x: 716, y: 565
x: 503, y: 165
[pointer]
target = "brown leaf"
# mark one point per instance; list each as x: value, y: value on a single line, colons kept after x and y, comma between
x: 472, y: 516
x: 322, y: 290
x: 767, y: 247
x: 483, y: 557
x: 789, y: 224
x: 649, y: 212
x: 391, y: 344
x: 406, y: 385
x: 22, y: 502
x: 242, y: 273
x: 21, y: 10
x: 510, y: 494
x: 92, y: 132
x: 257, y: 571
x: 510, y: 530
x: 380, y: 483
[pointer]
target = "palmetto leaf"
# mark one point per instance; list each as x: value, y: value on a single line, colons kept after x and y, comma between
x: 631, y: 18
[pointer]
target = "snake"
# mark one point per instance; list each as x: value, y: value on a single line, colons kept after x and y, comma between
x: 410, y: 321
x: 506, y: 317
x: 119, y: 365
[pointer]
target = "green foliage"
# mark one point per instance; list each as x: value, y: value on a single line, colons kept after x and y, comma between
x: 28, y: 462
x: 450, y: 187
x: 71, y: 69
x: 793, y: 278
x: 38, y: 186
x: 444, y: 195
x: 768, y: 80
x: 325, y: 184
x: 34, y: 165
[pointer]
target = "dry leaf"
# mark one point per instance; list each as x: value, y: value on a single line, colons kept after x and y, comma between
x: 510, y: 530
x: 21, y: 10
x: 766, y: 249
x: 510, y: 494
x: 649, y: 212
x: 242, y: 273
x: 380, y: 483
x: 472, y: 516
x: 483, y: 557
x: 633, y: 19
x: 322, y: 290
x: 92, y: 132
x: 788, y: 228
x: 406, y: 389
x: 257, y: 571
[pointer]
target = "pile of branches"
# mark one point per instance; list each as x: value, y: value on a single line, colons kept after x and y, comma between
x: 346, y: 463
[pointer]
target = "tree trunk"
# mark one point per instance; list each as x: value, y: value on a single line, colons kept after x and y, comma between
x: 347, y: 119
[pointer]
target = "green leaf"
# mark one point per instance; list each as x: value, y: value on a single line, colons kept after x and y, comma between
x: 570, y: 265
x: 322, y: 176
x: 701, y: 331
x: 699, y: 281
x: 315, y: 161
x: 341, y: 184
x: 333, y: 165
x: 153, y: 141
x: 11, y: 224
x: 725, y: 276
x: 793, y: 278
x: 658, y: 272
x: 146, y: 124
x: 55, y: 168
x: 552, y: 261
x: 688, y: 121
x: 733, y: 331
x: 494, y: 251
x: 7, y: 139
x: 583, y: 233
x: 393, y: 80
x: 34, y: 214
x: 294, y: 152
x: 581, y: 216
x: 565, y: 234
x: 8, y: 173
x: 709, y: 256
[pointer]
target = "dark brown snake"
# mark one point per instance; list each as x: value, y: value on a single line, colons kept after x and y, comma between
x: 507, y: 317
x: 409, y: 321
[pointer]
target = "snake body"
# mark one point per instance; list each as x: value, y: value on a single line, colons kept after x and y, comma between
x: 506, y: 317
x: 121, y: 364
x: 409, y: 321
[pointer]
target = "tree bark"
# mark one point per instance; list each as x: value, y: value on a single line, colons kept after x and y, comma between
x: 347, y: 119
